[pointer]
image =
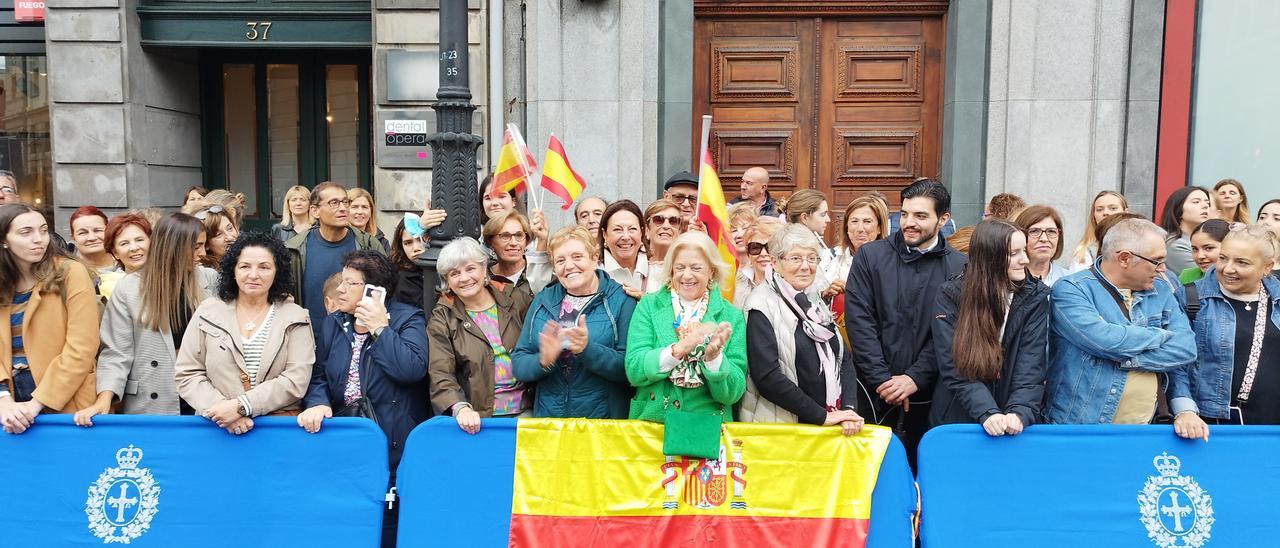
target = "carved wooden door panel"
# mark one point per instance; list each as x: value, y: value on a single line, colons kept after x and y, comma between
x: 756, y: 78
x: 880, y: 105
x: 843, y: 96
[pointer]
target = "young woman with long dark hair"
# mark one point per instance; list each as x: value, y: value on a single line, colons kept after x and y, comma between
x: 1185, y: 209
x: 990, y: 335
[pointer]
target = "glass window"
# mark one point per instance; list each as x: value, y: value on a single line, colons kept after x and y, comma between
x: 282, y: 131
x: 1236, y: 119
x: 240, y: 117
x: 24, y: 128
x: 342, y: 116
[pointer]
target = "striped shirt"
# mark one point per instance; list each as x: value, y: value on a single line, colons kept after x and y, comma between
x: 253, y: 347
x: 16, y: 311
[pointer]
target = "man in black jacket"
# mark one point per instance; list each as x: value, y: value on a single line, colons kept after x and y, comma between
x: 889, y: 301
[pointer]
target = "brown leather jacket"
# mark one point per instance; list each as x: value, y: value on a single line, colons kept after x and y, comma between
x: 461, y: 361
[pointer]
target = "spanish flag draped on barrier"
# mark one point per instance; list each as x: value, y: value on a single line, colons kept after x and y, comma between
x: 575, y: 482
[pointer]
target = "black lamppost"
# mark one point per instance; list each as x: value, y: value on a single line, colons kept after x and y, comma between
x: 453, y: 147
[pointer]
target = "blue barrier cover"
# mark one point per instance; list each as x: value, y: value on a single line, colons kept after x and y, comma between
x: 456, y: 489
x: 1099, y: 486
x: 182, y: 481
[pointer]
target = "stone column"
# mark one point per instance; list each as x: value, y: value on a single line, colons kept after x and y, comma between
x: 592, y: 70
x: 125, y: 122
x: 1060, y: 94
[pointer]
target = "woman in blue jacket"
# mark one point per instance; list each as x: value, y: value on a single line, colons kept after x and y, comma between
x: 1236, y: 319
x: 371, y: 362
x: 574, y: 337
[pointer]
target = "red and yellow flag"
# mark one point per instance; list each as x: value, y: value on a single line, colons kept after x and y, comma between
x: 515, y: 164
x: 558, y: 176
x: 714, y: 215
x: 606, y: 482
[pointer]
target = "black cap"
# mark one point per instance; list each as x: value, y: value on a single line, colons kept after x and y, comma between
x: 680, y: 178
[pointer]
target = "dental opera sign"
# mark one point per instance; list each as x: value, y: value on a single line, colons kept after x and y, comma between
x: 406, y: 133
x: 28, y: 11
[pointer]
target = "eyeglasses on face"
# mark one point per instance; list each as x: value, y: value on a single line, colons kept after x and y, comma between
x: 659, y: 220
x: 1037, y: 233
x: 797, y: 260
x: 684, y: 198
x: 335, y: 202
x: 1158, y: 264
x: 755, y: 248
x: 506, y: 237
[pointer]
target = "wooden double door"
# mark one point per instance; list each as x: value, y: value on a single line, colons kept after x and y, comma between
x: 842, y: 103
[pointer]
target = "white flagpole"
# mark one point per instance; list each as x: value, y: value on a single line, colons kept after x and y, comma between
x: 542, y: 191
x: 702, y: 153
x: 524, y: 161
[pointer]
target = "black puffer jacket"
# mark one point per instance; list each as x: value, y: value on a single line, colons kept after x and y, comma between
x: 889, y: 303
x: 1020, y: 387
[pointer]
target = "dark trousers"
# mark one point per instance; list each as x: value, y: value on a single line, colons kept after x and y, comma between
x: 390, y: 520
x: 909, y: 426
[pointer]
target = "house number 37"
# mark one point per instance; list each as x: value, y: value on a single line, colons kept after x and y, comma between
x: 257, y: 30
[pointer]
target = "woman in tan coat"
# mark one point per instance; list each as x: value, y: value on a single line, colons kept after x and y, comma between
x: 472, y: 332
x: 248, y: 352
x: 42, y: 291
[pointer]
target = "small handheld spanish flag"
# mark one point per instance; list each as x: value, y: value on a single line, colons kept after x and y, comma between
x: 558, y: 177
x: 515, y: 164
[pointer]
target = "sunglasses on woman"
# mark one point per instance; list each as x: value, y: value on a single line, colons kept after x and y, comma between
x: 659, y: 220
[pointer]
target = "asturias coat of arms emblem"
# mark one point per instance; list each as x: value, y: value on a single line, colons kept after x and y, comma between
x: 123, y: 501
x: 1175, y: 510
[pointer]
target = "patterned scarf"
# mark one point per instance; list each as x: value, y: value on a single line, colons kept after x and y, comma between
x: 814, y: 318
x: 688, y: 373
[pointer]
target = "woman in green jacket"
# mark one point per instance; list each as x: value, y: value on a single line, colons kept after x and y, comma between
x: 687, y: 346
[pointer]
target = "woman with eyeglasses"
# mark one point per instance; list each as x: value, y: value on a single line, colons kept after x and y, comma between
x: 808, y: 207
x: 219, y: 229
x: 662, y: 224
x: 516, y: 267
x: 50, y: 332
x: 753, y: 272
x: 1043, y: 227
x: 621, y: 239
x: 1236, y: 378
x: 800, y: 369
x: 145, y: 321
x: 990, y: 336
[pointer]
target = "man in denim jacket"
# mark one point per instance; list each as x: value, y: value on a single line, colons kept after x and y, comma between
x: 1117, y: 330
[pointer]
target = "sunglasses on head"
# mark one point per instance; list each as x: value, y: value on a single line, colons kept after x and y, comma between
x: 659, y: 220
x: 204, y: 213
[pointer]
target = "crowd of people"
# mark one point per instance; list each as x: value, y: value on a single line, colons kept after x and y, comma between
x: 901, y: 319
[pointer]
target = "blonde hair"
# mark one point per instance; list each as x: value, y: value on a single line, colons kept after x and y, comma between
x: 1242, y: 209
x: 699, y: 241
x: 494, y: 225
x: 1089, y: 239
x: 370, y: 227
x: 233, y: 201
x: 1260, y: 237
x: 286, y: 216
x: 765, y: 226
x: 878, y: 209
x: 573, y: 232
x: 742, y: 212
x: 803, y: 201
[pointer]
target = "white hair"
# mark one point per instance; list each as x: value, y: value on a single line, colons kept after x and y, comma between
x: 1128, y: 234
x: 458, y: 253
x: 698, y: 240
x: 793, y: 236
